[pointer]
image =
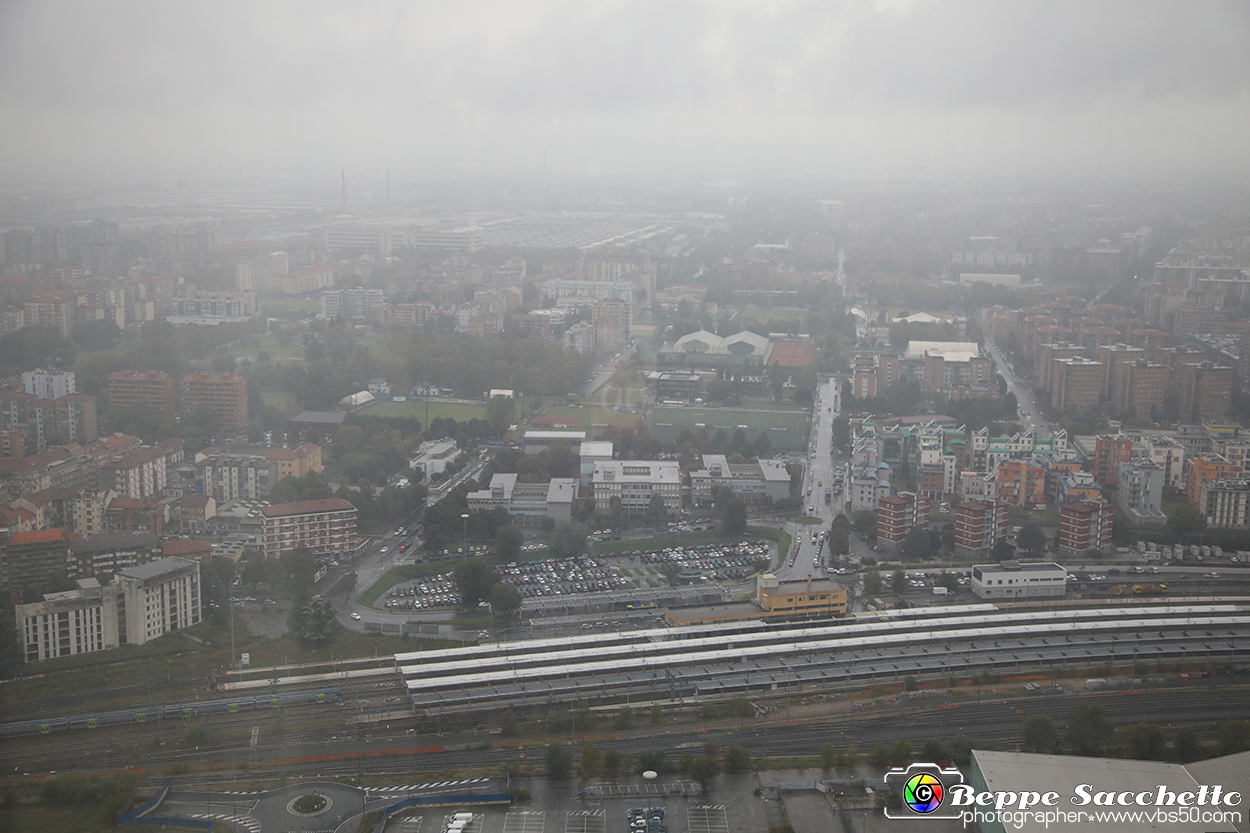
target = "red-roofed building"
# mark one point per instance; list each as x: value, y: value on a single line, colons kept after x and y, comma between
x: 34, y: 557
x: 325, y: 527
x: 137, y: 475
x: 296, y: 462
x: 225, y: 394
x: 126, y: 514
x: 153, y: 391
x: 190, y: 549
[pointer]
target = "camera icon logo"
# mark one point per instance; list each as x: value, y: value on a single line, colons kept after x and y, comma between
x: 925, y: 790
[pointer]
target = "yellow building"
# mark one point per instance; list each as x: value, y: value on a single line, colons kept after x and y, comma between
x: 297, y: 462
x: 775, y: 600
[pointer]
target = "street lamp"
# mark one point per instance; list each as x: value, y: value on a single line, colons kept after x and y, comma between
x: 465, y: 518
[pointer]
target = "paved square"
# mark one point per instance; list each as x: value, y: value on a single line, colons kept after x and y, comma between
x: 584, y: 821
x: 707, y: 818
x: 524, y: 821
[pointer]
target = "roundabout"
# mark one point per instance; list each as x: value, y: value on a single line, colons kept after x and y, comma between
x: 309, y: 804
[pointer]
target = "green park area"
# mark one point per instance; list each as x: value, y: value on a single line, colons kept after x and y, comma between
x: 587, y: 417
x: 436, y: 409
x: 786, y: 429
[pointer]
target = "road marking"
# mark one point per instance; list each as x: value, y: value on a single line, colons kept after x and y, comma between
x: 584, y: 821
x: 707, y: 818
x: 524, y: 821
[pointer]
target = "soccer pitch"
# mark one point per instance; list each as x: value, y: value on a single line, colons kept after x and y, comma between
x: 786, y: 430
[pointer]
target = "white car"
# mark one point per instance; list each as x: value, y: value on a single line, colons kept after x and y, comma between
x: 385, y: 549
x: 356, y: 616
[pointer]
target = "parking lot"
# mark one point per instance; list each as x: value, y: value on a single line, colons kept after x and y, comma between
x: 560, y: 576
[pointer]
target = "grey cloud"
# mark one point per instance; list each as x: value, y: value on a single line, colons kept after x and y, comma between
x: 749, y: 83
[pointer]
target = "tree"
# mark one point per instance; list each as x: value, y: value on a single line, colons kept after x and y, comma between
x: 508, y: 723
x: 313, y: 621
x: 737, y: 759
x: 1186, y: 747
x: 589, y: 764
x: 613, y: 762
x: 839, y: 540
x: 704, y: 770
x: 505, y: 599
x: 1234, y: 736
x: 1031, y: 538
x: 1003, y: 551
x: 1088, y: 730
x: 569, y: 540
x: 624, y: 718
x: 474, y: 579
x: 1040, y: 735
x: 762, y: 444
x: 872, y: 583
x: 508, y: 543
x: 1186, y: 519
x: 828, y: 756
x: 899, y: 582
x: 1142, y: 742
x: 733, y: 512
x: 657, y: 511
x: 558, y: 761
x: 916, y: 542
x: 652, y: 760
x: 499, y: 412
x: 948, y: 580
x: 862, y: 520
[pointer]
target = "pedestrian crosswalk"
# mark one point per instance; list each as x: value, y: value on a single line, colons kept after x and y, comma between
x: 251, y: 824
x: 242, y: 792
x: 404, y: 790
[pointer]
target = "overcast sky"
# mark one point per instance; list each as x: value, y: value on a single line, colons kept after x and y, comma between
x: 888, y: 88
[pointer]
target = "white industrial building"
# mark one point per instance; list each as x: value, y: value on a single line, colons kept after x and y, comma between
x: 1016, y: 580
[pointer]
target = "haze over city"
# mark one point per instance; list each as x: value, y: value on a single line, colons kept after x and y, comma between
x: 893, y: 89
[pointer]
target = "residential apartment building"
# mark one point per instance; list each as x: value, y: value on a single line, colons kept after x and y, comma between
x: 897, y: 515
x: 1085, y: 526
x: 1110, y: 450
x: 1077, y: 385
x: 225, y: 394
x: 1139, y: 388
x: 325, y: 527
x: 349, y: 303
x: 1141, y: 491
x: 157, y: 598
x: 1204, y: 468
x: 79, y: 621
x: 140, y: 474
x: 1021, y: 483
x: 635, y: 481
x: 33, y: 557
x: 1205, y: 391
x: 151, y: 391
x: 1225, y: 504
x: 979, y: 525
x: 48, y: 384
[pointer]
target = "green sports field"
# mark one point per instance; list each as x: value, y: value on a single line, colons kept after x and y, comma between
x: 591, y: 415
x: 786, y: 430
x: 454, y: 410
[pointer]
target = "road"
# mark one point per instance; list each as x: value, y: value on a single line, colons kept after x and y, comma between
x: 819, y: 472
x: 1031, y: 415
x: 604, y: 370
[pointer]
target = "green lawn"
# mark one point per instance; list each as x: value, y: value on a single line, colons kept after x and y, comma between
x: 437, y: 409
x: 782, y: 313
x: 786, y: 430
x: 279, y: 307
x: 590, y: 416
